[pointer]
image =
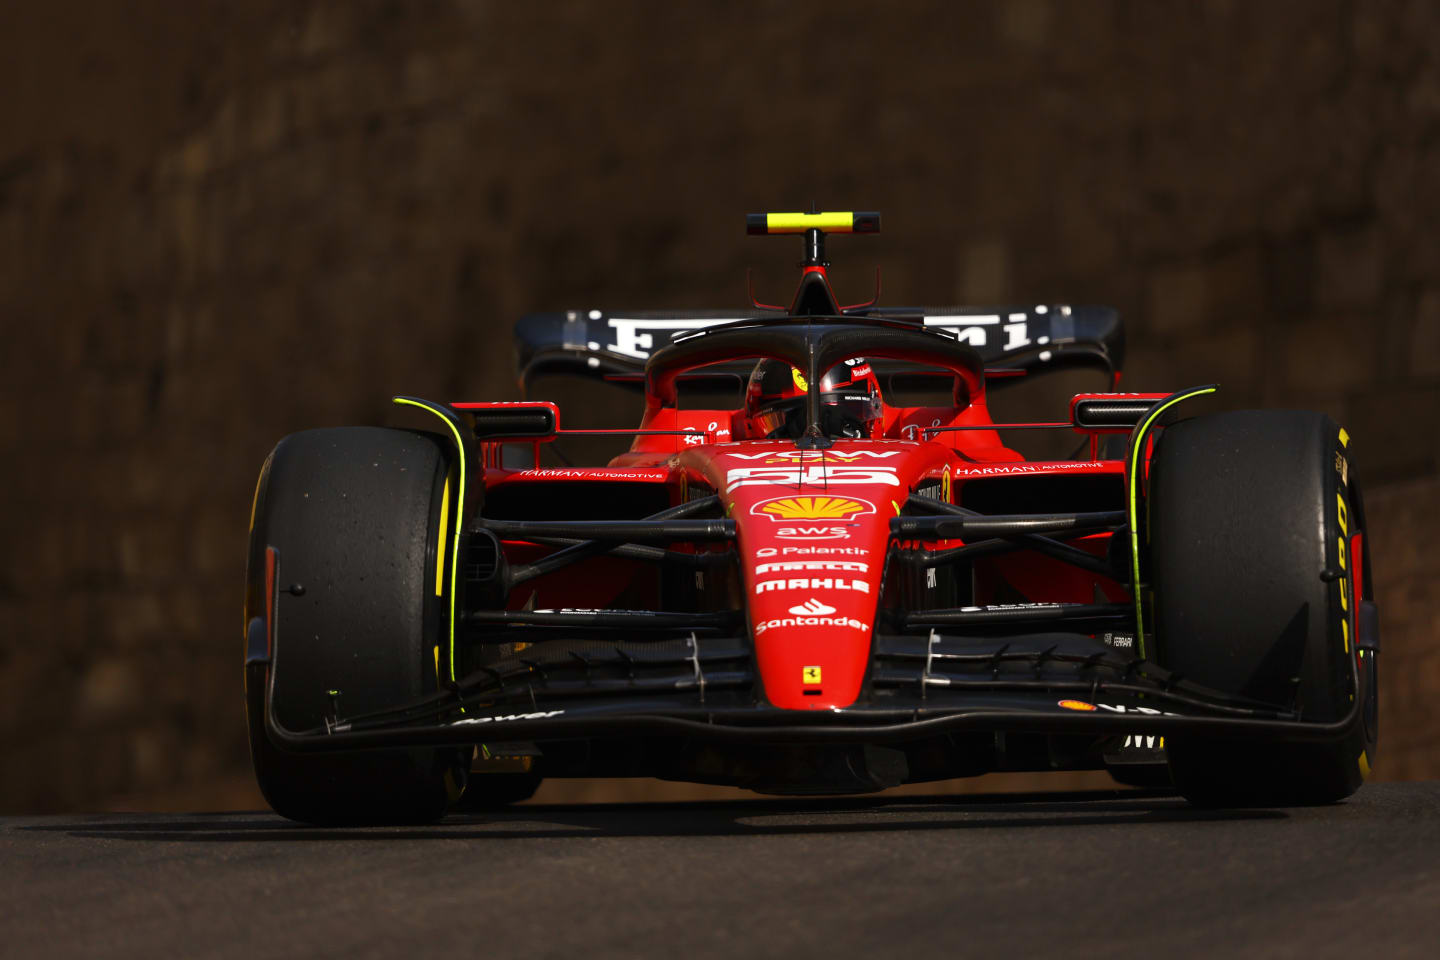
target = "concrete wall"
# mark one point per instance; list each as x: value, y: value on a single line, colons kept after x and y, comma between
x: 223, y: 222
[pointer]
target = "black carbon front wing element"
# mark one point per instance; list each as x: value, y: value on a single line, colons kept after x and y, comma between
x: 914, y: 694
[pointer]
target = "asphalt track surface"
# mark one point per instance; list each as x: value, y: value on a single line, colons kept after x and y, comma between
x: 1073, y: 875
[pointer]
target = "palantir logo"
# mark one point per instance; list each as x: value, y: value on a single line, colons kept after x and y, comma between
x: 812, y: 608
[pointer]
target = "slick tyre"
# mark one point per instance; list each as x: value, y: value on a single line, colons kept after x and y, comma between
x: 353, y: 516
x: 1254, y: 522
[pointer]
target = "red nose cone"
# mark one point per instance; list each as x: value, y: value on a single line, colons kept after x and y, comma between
x: 813, y: 528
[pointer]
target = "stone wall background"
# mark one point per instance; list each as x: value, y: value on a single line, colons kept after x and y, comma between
x: 221, y: 222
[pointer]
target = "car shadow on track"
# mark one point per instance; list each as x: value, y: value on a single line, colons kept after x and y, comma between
x: 761, y: 817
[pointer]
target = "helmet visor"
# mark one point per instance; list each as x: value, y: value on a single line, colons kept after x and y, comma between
x: 842, y: 415
x: 849, y: 414
x: 782, y: 420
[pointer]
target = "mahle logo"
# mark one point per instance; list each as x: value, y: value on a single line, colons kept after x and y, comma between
x: 812, y: 508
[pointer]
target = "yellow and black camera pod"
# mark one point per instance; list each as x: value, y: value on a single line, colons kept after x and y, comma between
x: 846, y: 221
x: 814, y: 226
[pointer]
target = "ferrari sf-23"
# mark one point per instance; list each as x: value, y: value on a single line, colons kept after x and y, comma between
x: 808, y: 586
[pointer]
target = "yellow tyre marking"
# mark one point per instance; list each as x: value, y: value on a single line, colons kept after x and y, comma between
x: 459, y: 512
x: 440, y: 541
x: 255, y: 499
x: 1134, y: 477
x: 254, y: 503
x: 1342, y: 516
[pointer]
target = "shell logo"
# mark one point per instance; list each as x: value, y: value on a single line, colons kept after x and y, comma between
x: 813, y: 508
x: 1080, y: 705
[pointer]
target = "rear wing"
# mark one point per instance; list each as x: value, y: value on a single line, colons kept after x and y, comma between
x: 617, y: 345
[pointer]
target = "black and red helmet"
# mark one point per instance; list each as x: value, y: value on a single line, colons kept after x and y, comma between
x: 850, y: 403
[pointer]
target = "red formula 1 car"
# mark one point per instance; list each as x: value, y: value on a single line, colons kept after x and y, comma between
x: 809, y: 586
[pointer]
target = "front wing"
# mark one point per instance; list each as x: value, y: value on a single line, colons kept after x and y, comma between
x: 703, y: 689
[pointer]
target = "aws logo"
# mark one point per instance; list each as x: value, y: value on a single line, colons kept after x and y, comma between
x: 781, y: 509
x: 809, y: 532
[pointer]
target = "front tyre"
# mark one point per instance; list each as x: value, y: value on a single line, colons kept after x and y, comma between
x: 353, y: 515
x: 1253, y: 525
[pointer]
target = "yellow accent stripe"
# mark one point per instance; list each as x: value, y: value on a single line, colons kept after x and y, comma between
x: 1134, y: 467
x: 440, y: 541
x: 830, y: 222
x: 1344, y: 438
x: 254, y: 502
x: 459, y: 512
x: 1364, y: 766
x: 255, y: 499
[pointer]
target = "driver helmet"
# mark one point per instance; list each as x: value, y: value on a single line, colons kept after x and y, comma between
x: 850, y: 404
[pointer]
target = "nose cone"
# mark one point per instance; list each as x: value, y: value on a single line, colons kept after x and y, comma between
x: 813, y: 563
x: 813, y: 529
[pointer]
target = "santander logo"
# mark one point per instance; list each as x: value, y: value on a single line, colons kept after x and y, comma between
x: 812, y: 608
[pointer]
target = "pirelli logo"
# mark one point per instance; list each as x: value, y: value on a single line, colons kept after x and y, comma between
x: 821, y: 566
